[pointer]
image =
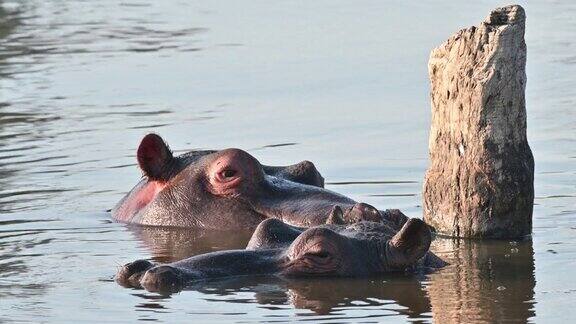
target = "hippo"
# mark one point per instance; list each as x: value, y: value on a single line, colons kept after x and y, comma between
x: 229, y: 189
x: 335, y: 249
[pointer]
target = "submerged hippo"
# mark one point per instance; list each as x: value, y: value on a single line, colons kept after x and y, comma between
x: 336, y: 249
x: 230, y: 189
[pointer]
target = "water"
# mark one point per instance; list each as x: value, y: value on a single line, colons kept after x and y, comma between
x: 342, y: 84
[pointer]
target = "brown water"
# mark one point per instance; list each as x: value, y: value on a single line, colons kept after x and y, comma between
x: 343, y: 84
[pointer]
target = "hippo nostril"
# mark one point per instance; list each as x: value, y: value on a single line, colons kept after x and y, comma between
x: 139, y: 266
x: 129, y: 274
x: 363, y: 212
x: 163, y: 279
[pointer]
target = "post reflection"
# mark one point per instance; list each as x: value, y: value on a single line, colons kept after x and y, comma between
x: 487, y: 281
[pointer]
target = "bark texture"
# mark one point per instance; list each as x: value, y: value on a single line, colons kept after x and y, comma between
x: 480, y: 182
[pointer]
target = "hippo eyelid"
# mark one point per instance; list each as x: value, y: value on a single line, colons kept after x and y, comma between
x: 228, y: 173
x: 319, y: 254
x: 228, y: 176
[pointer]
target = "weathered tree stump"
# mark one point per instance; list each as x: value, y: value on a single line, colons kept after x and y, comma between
x: 480, y: 182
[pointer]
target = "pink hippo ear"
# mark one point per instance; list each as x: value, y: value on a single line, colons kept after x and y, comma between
x: 154, y: 157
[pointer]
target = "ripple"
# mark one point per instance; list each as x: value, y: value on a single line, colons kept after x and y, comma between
x: 12, y: 193
x: 279, y: 145
x: 392, y: 195
x: 366, y: 182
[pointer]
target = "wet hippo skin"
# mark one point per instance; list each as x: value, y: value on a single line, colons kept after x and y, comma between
x: 360, y: 249
x: 230, y: 189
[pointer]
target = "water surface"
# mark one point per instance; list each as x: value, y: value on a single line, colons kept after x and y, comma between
x: 342, y: 84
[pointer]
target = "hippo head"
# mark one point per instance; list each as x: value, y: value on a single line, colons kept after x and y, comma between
x: 360, y: 249
x: 226, y: 189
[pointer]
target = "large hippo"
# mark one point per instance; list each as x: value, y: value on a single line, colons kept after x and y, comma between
x: 230, y: 189
x: 335, y: 249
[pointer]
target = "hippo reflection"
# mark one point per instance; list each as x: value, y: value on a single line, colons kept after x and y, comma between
x: 323, y: 296
x: 230, y: 189
x: 169, y: 244
x: 337, y: 250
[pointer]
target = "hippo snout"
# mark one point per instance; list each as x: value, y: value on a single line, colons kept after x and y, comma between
x: 163, y: 279
x: 129, y: 275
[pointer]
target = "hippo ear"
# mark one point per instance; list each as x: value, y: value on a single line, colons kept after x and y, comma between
x: 409, y: 244
x: 154, y: 156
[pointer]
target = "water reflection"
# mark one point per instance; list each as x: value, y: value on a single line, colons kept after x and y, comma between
x: 392, y: 295
x: 325, y: 296
x: 173, y: 244
x: 16, y: 247
x: 18, y: 125
x: 491, y: 281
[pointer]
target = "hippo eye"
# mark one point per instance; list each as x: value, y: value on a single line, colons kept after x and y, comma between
x: 227, y: 174
x: 321, y: 254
